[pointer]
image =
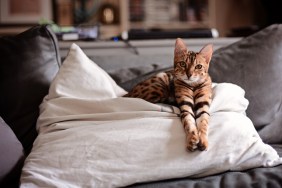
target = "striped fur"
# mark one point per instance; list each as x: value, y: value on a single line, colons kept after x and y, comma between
x: 189, y: 87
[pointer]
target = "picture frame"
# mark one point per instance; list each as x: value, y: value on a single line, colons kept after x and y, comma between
x: 13, y: 11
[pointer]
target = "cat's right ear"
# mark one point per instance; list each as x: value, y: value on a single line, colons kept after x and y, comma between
x: 180, y: 47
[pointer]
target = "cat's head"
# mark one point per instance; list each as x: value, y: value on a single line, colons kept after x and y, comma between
x: 191, y: 67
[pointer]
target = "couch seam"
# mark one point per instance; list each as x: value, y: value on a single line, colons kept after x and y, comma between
x: 55, y: 46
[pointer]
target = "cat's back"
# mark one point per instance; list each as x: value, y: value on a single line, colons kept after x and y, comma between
x: 157, y: 88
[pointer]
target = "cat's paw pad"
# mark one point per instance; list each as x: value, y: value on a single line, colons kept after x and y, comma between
x: 192, y: 141
x: 203, y: 145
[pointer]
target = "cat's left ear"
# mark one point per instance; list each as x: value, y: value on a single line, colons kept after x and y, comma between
x: 206, y: 52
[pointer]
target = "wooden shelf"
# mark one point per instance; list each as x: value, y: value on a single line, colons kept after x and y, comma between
x: 221, y: 15
x: 169, y: 26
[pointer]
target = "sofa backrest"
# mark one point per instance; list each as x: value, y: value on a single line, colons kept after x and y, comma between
x: 29, y: 62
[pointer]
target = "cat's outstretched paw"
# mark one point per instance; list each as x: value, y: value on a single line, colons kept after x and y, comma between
x: 192, y: 141
x: 203, y: 146
x: 203, y: 143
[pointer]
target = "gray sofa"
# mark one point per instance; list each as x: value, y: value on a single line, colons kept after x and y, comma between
x: 30, y: 61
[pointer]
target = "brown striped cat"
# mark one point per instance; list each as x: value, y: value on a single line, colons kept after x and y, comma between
x: 189, y: 86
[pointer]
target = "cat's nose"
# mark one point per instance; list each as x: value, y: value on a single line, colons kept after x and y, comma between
x: 189, y: 75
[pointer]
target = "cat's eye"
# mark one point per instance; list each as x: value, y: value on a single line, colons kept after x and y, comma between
x: 198, y: 66
x: 182, y: 64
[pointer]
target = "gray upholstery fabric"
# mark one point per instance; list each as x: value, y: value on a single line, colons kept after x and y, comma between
x: 117, y: 62
x: 125, y: 74
x: 255, y: 64
x: 11, y: 156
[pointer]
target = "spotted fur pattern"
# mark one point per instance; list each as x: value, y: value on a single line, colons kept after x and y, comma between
x: 188, y: 86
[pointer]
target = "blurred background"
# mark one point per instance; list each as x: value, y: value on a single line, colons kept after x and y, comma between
x: 141, y: 19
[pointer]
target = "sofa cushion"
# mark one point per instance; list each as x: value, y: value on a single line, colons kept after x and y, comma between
x: 255, y: 64
x: 11, y: 158
x: 29, y: 62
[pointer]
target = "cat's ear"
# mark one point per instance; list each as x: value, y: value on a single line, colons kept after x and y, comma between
x: 180, y: 47
x: 206, y: 52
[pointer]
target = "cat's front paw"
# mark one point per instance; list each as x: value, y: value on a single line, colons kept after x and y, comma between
x: 192, y: 140
x: 203, y: 142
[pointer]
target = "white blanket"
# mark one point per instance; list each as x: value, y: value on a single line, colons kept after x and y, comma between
x: 91, y: 137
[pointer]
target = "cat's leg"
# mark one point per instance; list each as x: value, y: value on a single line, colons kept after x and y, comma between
x: 202, y: 124
x: 188, y: 121
x: 202, y: 120
x: 192, y: 136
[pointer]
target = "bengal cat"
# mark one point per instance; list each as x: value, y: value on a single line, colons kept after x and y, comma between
x: 189, y: 86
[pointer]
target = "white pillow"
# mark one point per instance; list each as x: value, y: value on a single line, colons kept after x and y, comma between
x: 75, y: 79
x: 90, y: 137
